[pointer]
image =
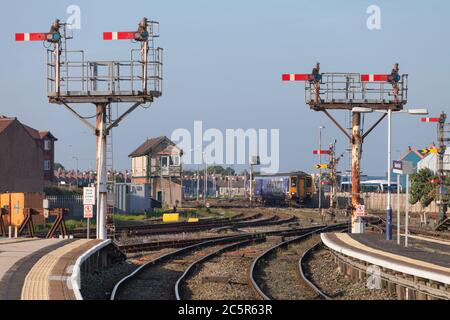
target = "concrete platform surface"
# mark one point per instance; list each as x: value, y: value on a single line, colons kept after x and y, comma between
x: 38, y: 269
x: 422, y: 259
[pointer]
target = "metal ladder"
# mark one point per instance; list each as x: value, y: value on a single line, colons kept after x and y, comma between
x: 444, y: 174
x: 111, y: 177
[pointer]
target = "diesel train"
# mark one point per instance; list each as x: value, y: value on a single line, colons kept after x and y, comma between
x: 283, y: 189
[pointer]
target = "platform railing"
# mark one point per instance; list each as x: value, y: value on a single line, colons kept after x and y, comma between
x: 348, y: 88
x: 79, y: 77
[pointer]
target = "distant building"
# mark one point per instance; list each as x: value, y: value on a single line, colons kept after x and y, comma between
x: 430, y: 162
x: 412, y: 155
x: 26, y: 157
x: 158, y: 162
x: 46, y: 142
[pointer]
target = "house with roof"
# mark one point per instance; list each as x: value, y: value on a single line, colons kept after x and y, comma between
x: 157, y: 162
x: 26, y: 157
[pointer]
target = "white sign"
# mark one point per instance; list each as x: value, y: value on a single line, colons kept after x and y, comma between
x: 360, y: 210
x: 88, y: 211
x: 46, y: 207
x: 89, y: 196
x: 403, y: 167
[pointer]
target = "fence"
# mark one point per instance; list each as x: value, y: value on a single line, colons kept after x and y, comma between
x: 72, y: 202
x: 378, y: 201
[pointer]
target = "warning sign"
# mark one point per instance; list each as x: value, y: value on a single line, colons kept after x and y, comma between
x: 360, y: 210
x: 89, y: 196
x: 88, y: 211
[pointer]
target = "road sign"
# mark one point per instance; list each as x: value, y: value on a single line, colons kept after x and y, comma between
x: 321, y: 166
x: 88, y: 211
x: 89, y: 196
x: 360, y: 210
x: 403, y: 167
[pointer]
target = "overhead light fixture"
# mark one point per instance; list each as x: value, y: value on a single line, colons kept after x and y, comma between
x: 362, y: 110
x: 418, y: 111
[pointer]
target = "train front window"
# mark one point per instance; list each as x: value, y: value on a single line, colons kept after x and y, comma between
x: 308, y: 182
x: 294, y: 182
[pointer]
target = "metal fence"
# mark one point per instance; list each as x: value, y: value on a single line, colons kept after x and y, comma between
x: 72, y: 202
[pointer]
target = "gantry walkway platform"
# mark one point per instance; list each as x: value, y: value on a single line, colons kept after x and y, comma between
x: 423, y: 265
x: 39, y: 269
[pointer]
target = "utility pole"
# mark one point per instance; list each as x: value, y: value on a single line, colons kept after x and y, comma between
x: 320, y: 169
x: 251, y: 185
x: 441, y: 171
x: 356, y: 163
x: 206, y: 179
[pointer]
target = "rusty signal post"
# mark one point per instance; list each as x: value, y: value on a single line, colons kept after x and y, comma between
x: 443, y: 198
x: 73, y: 80
x: 357, y: 93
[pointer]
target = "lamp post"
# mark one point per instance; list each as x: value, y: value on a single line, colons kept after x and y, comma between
x: 206, y: 178
x: 389, y: 194
x: 76, y: 159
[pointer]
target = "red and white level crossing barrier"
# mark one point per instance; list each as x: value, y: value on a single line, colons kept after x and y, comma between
x: 125, y: 35
x: 36, y: 36
x: 296, y: 77
x: 431, y: 120
x: 374, y: 77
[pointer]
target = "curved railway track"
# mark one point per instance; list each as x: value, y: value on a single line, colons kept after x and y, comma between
x: 178, y: 264
x: 262, y: 288
x: 179, y: 227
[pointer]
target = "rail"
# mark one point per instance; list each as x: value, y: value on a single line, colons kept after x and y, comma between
x: 271, y: 250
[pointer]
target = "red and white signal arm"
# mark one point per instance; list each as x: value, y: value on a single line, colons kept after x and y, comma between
x: 88, y: 211
x: 360, y: 210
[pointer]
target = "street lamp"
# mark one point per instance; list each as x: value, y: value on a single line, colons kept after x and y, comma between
x: 389, y: 195
x: 76, y: 158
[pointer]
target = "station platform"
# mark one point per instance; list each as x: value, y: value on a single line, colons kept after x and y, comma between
x: 423, y: 263
x: 39, y: 269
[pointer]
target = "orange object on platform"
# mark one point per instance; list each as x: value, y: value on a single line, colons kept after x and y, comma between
x: 17, y: 203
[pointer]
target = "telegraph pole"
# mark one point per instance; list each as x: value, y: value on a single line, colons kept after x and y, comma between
x: 356, y: 163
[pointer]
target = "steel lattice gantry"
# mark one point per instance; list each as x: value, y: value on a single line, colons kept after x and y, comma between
x: 352, y: 91
x: 71, y: 79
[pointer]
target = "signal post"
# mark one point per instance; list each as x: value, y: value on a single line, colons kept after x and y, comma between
x: 74, y: 80
x: 356, y: 93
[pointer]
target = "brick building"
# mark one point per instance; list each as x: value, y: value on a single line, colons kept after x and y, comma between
x: 25, y: 155
x: 158, y: 162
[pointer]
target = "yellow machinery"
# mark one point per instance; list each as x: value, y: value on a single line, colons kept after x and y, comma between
x: 171, y: 217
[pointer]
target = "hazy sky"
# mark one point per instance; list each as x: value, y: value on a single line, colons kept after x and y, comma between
x: 223, y: 62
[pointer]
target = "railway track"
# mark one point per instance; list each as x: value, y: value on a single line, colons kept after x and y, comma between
x: 175, y: 227
x: 271, y: 274
x: 162, y: 275
x: 156, y: 245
